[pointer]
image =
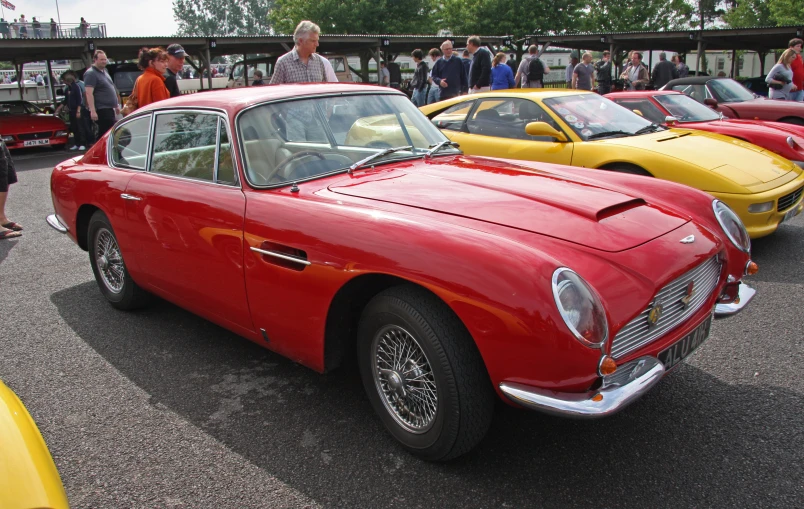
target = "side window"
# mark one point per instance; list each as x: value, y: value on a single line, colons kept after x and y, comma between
x: 453, y: 117
x: 338, y: 64
x: 697, y: 92
x: 184, y: 145
x: 507, y: 118
x: 130, y: 143
x: 648, y: 110
x: 226, y: 171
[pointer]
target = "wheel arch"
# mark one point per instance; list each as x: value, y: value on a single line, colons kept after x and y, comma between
x: 628, y: 167
x: 82, y: 218
x: 346, y: 308
x: 792, y: 119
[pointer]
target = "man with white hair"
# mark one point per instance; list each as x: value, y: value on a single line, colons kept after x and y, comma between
x: 301, y: 64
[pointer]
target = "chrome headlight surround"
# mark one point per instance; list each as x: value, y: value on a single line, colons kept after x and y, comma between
x: 580, y: 308
x: 732, y: 226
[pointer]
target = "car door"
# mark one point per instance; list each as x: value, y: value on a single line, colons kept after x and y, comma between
x: 495, y: 127
x: 186, y: 215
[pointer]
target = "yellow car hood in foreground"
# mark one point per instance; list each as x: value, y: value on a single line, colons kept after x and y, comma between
x: 741, y: 162
x: 28, y: 476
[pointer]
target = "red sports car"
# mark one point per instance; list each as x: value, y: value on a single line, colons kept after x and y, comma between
x: 678, y: 110
x: 332, y: 221
x: 23, y: 124
x: 735, y: 101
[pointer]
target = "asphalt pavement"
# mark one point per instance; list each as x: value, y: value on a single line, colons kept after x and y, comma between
x: 160, y: 408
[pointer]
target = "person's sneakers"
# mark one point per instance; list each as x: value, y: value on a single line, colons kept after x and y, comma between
x: 74, y: 147
x: 82, y: 147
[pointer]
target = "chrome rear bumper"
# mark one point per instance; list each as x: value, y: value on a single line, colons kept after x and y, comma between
x: 630, y: 383
x: 744, y: 296
x: 53, y: 221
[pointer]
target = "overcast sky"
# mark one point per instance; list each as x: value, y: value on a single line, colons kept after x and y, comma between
x: 123, y: 18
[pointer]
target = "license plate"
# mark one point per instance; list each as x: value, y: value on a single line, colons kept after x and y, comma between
x: 680, y: 350
x: 33, y: 143
x: 790, y: 214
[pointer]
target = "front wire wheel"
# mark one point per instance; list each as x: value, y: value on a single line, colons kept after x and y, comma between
x: 423, y: 373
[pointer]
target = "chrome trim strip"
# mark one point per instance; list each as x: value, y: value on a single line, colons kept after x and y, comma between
x: 611, y: 399
x: 54, y: 222
x: 282, y: 256
x: 744, y: 296
x: 126, y: 196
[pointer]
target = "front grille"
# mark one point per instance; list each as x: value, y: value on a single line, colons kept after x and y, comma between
x: 638, y: 333
x: 44, y: 135
x: 788, y: 200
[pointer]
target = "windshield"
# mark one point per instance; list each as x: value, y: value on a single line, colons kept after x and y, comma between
x: 18, y: 108
x: 729, y: 91
x: 685, y: 108
x: 124, y: 80
x: 590, y: 114
x: 298, y: 140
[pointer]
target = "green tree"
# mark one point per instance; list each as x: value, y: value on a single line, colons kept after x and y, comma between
x: 786, y: 12
x: 510, y: 17
x: 750, y: 13
x: 222, y: 17
x: 706, y: 12
x: 636, y: 15
x: 356, y: 16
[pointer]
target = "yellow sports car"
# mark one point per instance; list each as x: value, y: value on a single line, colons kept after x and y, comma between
x: 28, y: 476
x: 580, y: 128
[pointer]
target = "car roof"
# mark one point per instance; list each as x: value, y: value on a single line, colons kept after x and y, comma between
x: 694, y: 80
x: 236, y: 99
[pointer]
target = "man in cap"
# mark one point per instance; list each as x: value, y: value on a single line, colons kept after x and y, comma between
x: 175, y: 65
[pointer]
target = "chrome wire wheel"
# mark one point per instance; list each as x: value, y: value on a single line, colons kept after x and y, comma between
x: 404, y: 379
x: 109, y: 261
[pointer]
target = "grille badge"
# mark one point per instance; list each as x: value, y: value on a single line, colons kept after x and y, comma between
x: 688, y: 240
x: 685, y: 300
x: 655, y: 314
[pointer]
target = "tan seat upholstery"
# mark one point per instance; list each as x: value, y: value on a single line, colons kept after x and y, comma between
x: 262, y: 156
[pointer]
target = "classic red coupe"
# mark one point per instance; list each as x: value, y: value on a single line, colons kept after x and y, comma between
x: 678, y: 110
x: 735, y: 101
x: 321, y: 237
x: 23, y: 124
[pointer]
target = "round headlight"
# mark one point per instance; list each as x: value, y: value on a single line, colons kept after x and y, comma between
x: 732, y: 226
x: 580, y: 308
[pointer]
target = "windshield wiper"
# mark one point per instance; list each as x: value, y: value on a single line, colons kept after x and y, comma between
x: 377, y: 155
x: 438, y: 146
x: 607, y: 133
x: 653, y: 127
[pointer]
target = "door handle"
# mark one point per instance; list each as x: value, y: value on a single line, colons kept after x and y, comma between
x: 130, y: 197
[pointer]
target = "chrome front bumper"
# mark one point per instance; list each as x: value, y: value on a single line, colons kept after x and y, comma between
x: 744, y: 296
x: 628, y: 384
x: 53, y: 221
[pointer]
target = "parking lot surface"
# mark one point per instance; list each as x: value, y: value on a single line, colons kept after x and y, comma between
x: 160, y: 408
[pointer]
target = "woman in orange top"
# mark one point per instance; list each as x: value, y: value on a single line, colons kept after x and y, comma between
x: 150, y: 85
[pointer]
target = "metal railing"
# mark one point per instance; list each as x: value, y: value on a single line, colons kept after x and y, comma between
x: 16, y: 30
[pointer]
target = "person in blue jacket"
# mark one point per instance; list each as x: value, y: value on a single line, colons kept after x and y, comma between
x: 502, y: 76
x: 448, y: 73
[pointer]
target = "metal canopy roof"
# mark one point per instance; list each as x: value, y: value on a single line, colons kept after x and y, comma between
x: 126, y: 48
x: 762, y: 39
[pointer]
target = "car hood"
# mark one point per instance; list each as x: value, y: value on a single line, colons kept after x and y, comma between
x: 747, y: 163
x: 501, y: 193
x: 30, y: 123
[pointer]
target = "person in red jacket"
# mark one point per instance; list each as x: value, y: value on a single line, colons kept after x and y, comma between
x: 150, y: 86
x: 798, y: 70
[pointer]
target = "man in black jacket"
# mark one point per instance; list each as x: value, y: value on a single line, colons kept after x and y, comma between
x: 480, y: 72
x: 663, y: 72
x: 175, y: 65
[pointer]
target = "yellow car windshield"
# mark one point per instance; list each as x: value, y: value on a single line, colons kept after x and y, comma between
x: 592, y: 116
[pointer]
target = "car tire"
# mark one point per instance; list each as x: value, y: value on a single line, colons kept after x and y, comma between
x: 437, y: 400
x: 627, y: 168
x: 110, y: 271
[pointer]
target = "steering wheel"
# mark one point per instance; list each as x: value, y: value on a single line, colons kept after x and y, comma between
x: 288, y: 160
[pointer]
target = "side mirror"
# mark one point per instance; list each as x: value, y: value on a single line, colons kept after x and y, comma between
x: 710, y: 102
x: 638, y: 112
x: 544, y: 129
x: 670, y: 120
